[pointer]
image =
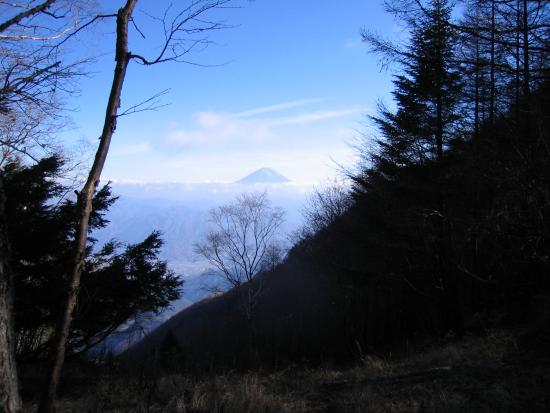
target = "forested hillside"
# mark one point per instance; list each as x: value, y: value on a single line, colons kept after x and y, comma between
x: 450, y: 215
x: 445, y: 230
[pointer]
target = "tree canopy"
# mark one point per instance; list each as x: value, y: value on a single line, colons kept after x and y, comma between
x: 119, y: 281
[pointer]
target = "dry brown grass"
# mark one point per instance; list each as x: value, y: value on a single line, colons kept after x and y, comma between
x: 248, y: 393
x: 465, y: 376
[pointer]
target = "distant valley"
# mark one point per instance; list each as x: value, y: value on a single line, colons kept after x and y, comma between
x: 180, y: 212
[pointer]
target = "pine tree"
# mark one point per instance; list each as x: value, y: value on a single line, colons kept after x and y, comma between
x: 426, y: 93
x: 417, y: 134
x: 120, y: 281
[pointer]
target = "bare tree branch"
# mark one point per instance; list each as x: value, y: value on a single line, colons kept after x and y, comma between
x: 150, y: 104
x: 25, y: 14
x: 242, y: 242
x: 180, y: 29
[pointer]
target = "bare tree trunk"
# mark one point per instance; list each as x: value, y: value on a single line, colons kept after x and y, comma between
x: 446, y: 274
x: 9, y: 387
x: 477, y: 87
x: 526, y: 74
x: 492, y: 85
x: 518, y: 68
x: 526, y: 67
x: 439, y: 125
x: 122, y: 57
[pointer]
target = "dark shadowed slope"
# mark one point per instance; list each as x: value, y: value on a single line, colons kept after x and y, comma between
x: 295, y: 319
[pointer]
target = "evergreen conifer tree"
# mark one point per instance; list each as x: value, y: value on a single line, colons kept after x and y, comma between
x: 119, y: 281
x: 426, y: 93
x: 415, y: 137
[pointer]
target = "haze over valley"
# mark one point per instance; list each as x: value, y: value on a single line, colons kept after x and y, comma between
x: 180, y: 212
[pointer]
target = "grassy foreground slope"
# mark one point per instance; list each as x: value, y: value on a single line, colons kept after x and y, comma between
x: 500, y: 371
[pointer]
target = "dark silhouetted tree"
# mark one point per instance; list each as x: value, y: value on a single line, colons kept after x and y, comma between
x: 418, y: 133
x: 118, y: 282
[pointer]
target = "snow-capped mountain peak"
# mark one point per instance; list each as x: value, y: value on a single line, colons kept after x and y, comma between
x: 263, y: 176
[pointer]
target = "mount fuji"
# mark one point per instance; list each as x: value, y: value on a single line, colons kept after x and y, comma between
x: 263, y: 176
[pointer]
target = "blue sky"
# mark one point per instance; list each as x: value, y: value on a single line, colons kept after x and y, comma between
x: 290, y: 86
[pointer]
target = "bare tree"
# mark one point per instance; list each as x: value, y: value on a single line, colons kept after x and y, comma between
x: 326, y: 204
x: 34, y: 67
x: 32, y: 77
x: 243, y: 242
x: 35, y: 73
x: 179, y: 39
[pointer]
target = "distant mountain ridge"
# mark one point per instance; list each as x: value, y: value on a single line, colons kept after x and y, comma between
x: 263, y: 176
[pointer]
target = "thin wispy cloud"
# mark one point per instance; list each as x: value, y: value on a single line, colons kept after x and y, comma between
x: 278, y: 107
x: 131, y: 149
x: 310, y: 117
x: 219, y: 127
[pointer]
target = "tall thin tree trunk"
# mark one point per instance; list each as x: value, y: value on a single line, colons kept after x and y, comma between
x: 492, y: 68
x: 526, y: 67
x: 477, y: 86
x: 84, y: 205
x: 518, y: 66
x: 451, y: 298
x: 439, y: 125
x: 10, y: 401
x: 526, y: 74
x: 477, y: 82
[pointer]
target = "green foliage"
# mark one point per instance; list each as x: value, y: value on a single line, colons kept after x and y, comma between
x: 118, y: 282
